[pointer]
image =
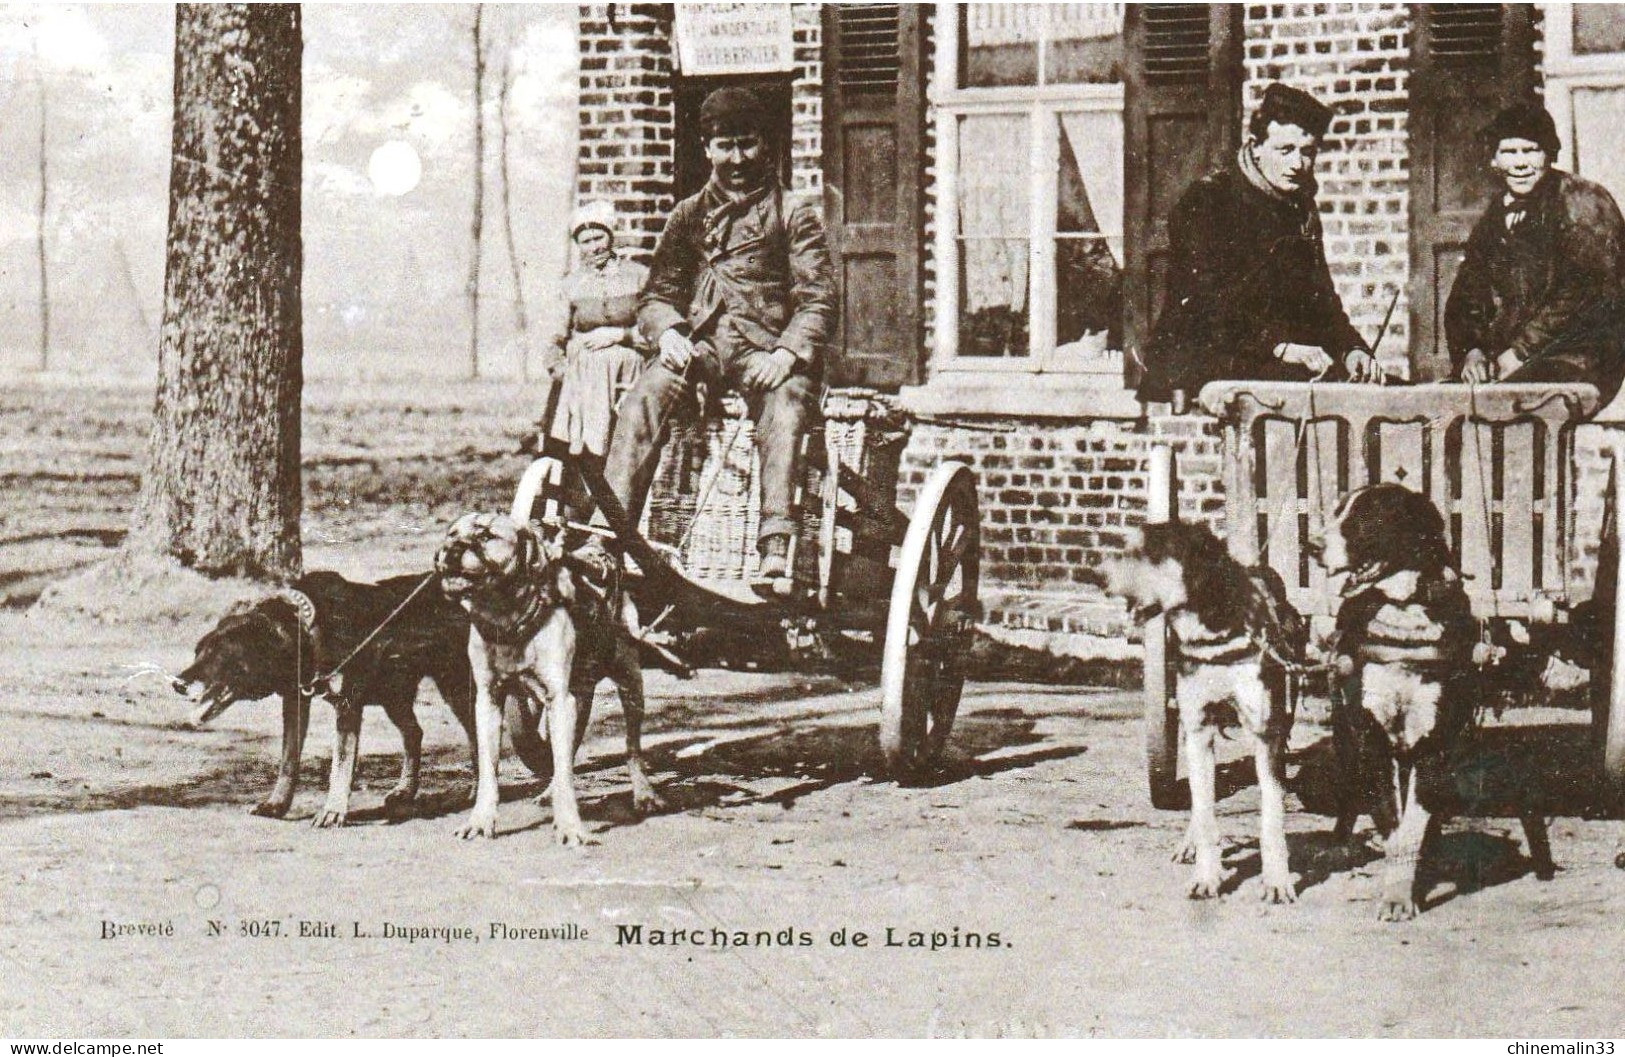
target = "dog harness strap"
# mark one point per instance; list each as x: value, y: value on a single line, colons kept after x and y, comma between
x: 303, y: 606
x: 1226, y: 650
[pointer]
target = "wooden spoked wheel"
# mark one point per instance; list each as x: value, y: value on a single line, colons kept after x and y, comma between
x: 1608, y: 677
x: 933, y: 609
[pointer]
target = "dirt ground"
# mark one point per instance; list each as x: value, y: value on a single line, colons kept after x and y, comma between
x: 117, y: 816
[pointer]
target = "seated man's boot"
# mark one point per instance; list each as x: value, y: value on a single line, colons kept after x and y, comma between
x: 773, y: 576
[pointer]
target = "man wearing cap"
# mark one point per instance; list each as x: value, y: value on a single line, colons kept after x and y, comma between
x: 1249, y: 293
x: 1538, y: 296
x: 740, y: 291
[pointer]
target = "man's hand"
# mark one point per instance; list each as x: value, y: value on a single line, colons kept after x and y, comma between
x: 676, y: 351
x: 1506, y: 363
x: 766, y: 373
x: 1476, y: 368
x: 1363, y: 367
x: 1311, y: 357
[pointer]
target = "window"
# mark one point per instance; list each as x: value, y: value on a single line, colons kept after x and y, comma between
x: 1030, y: 153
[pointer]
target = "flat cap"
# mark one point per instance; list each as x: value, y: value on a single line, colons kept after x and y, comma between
x: 1526, y: 120
x: 732, y: 112
x: 1293, y: 106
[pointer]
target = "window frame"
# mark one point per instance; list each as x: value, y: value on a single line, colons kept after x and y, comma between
x: 1041, y: 106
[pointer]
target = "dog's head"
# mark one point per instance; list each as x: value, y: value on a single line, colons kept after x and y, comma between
x: 249, y: 654
x: 482, y: 552
x: 1382, y: 529
x: 1168, y: 565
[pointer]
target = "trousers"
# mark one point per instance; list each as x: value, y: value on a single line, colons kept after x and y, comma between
x: 782, y: 417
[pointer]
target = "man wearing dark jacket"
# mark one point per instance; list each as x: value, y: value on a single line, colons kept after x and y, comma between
x: 1249, y: 293
x: 739, y: 292
x: 1538, y: 297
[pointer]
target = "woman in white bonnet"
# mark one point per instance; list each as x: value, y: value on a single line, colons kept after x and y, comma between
x: 597, y: 353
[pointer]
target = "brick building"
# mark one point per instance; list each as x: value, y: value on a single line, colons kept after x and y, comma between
x: 996, y: 179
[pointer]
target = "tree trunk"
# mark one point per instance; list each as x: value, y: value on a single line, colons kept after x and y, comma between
x: 479, y: 198
x: 520, y: 318
x: 221, y: 492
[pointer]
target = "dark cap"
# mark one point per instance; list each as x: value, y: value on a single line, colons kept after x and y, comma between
x: 1290, y: 106
x: 1527, y: 120
x: 731, y: 112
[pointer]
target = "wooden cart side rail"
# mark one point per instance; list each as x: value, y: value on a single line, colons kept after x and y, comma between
x: 1496, y: 460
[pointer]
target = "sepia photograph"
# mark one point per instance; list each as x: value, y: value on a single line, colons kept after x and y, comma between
x: 812, y: 520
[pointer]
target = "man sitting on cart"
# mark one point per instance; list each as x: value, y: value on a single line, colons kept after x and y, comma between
x: 1249, y: 291
x: 1539, y: 294
x: 740, y: 292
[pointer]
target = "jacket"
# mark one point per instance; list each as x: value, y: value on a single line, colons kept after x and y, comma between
x: 745, y: 275
x: 1246, y: 271
x: 1549, y: 286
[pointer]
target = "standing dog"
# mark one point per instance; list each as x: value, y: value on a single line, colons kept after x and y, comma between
x: 280, y: 644
x: 1235, y: 634
x: 1405, y: 652
x: 546, y: 627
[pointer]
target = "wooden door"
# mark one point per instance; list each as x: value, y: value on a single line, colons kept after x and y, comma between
x: 1467, y: 61
x: 874, y: 127
x: 1182, y: 115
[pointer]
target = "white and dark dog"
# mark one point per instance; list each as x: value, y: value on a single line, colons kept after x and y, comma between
x: 546, y: 626
x: 1235, y: 635
x: 1405, y: 652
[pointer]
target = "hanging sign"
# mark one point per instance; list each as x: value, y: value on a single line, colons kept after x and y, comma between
x: 734, y: 38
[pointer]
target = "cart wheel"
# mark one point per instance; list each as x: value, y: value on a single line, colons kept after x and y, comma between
x: 933, y: 607
x: 1608, y: 680
x: 541, y: 491
x: 1161, y: 723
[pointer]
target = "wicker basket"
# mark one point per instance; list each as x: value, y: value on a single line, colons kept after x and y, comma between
x: 721, y: 544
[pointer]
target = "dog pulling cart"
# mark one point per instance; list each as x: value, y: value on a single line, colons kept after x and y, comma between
x: 860, y: 565
x: 1498, y: 462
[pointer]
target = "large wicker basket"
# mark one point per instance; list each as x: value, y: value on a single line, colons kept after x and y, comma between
x: 718, y: 543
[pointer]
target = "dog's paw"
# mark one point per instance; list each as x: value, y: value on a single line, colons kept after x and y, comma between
x: 1279, y: 891
x: 571, y: 834
x: 1185, y: 854
x: 329, y: 817
x: 270, y: 809
x: 479, y: 824
x: 647, y: 801
x: 1204, y: 886
x: 1396, y: 908
x: 400, y: 803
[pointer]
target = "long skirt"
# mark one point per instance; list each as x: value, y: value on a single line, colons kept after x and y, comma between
x: 593, y: 385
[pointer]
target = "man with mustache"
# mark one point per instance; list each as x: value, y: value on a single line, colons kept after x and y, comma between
x: 1539, y: 294
x: 1249, y: 292
x: 740, y: 291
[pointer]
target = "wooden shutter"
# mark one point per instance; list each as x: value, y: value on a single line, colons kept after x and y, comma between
x: 1182, y: 119
x: 874, y: 125
x: 1467, y: 61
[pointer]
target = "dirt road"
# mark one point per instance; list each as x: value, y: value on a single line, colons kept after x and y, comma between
x: 116, y: 818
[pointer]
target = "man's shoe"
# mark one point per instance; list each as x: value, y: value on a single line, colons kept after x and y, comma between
x: 773, y: 575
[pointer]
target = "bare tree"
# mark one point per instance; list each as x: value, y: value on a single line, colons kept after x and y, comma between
x: 44, y: 204
x: 479, y: 197
x: 520, y: 319
x: 221, y: 492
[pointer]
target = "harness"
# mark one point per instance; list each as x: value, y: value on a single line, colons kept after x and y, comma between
x: 322, y: 685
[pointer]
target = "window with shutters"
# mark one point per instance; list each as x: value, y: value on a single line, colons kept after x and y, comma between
x: 1029, y: 124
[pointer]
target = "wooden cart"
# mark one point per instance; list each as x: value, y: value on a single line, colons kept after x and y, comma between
x: 1498, y: 462
x: 907, y: 581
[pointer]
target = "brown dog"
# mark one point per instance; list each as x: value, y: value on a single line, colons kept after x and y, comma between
x: 546, y: 627
x: 279, y: 644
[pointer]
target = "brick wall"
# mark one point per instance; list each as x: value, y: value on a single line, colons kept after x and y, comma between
x: 1354, y: 58
x: 626, y: 116
x: 807, y: 101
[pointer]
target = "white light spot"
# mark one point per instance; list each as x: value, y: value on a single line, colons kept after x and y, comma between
x: 394, y: 168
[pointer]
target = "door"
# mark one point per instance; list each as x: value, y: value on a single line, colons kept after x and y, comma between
x: 1182, y: 119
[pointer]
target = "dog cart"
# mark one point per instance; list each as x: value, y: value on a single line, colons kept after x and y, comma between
x: 1498, y: 462
x: 861, y: 567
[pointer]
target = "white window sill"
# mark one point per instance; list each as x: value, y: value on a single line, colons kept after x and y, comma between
x: 1008, y: 394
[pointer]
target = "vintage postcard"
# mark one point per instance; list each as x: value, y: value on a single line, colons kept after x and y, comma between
x: 812, y: 520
